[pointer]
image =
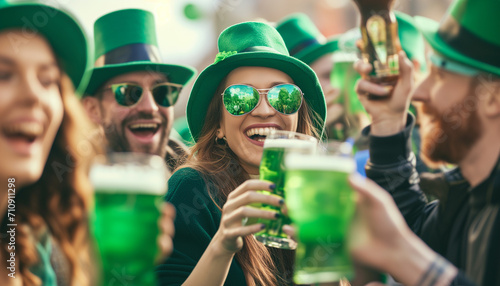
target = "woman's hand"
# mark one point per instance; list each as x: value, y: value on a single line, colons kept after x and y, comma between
x: 166, y: 226
x: 389, y: 112
x: 231, y: 230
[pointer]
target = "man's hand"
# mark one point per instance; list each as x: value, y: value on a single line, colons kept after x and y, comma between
x: 389, y: 113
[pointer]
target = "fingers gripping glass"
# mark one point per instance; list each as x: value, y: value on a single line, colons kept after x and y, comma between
x: 240, y: 99
x: 128, y: 94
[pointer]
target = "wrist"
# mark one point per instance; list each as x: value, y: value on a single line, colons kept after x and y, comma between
x: 389, y: 125
x: 217, y: 249
x: 411, y: 260
x: 449, y: 274
x: 419, y: 265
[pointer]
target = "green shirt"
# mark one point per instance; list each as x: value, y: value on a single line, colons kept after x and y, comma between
x: 196, y: 222
x: 43, y: 269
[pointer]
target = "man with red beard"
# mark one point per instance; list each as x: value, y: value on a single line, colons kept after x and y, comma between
x: 459, y: 104
x: 131, y: 93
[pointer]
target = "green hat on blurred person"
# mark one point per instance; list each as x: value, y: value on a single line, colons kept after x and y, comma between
x: 411, y: 39
x: 468, y: 34
x: 61, y: 30
x: 303, y: 40
x: 251, y: 44
x: 125, y: 41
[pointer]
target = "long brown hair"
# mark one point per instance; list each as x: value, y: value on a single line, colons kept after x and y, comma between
x: 223, y: 173
x: 58, y: 203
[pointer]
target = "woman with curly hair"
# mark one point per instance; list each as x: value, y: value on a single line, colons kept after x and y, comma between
x: 253, y: 87
x: 45, y: 193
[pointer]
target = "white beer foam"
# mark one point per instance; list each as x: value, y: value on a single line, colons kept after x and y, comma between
x: 289, y: 143
x: 128, y: 179
x: 320, y: 162
x: 339, y: 57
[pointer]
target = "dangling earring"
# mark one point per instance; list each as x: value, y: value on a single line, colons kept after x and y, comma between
x: 218, y: 140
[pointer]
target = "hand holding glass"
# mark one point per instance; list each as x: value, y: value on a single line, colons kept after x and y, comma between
x: 128, y: 189
x: 321, y: 205
x: 277, y: 144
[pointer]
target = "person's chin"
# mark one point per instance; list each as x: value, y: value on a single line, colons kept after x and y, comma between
x: 152, y: 149
x: 253, y: 154
x: 26, y: 171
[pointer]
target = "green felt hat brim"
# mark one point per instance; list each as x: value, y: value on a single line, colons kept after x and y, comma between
x: 175, y: 73
x: 310, y: 54
x: 429, y: 29
x: 208, y: 81
x: 63, y: 33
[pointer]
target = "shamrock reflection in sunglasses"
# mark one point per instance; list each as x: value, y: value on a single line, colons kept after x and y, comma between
x: 241, y: 99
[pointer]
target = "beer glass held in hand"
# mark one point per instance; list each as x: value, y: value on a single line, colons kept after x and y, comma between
x: 380, y: 47
x: 343, y: 75
x: 277, y: 144
x: 128, y: 190
x: 321, y: 205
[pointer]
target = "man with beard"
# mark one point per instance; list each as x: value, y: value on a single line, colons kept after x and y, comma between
x: 131, y: 93
x: 459, y: 104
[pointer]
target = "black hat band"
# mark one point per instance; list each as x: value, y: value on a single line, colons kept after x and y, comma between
x: 130, y: 53
x: 303, y: 45
x: 467, y: 43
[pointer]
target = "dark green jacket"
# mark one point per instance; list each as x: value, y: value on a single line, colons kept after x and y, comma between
x: 197, y: 221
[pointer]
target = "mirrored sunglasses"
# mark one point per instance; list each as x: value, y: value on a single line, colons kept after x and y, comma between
x: 128, y: 94
x: 241, y: 99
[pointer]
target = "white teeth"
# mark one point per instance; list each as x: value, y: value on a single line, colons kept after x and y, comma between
x: 260, y: 131
x: 143, y: 125
x: 28, y: 129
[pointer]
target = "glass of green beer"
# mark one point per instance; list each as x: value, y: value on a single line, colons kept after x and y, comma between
x: 128, y: 190
x: 344, y: 77
x: 321, y: 204
x: 277, y: 144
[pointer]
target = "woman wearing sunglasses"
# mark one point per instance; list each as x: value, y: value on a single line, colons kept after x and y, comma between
x: 253, y: 87
x: 45, y: 155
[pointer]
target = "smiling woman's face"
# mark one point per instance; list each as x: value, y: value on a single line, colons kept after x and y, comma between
x: 245, y: 133
x: 30, y: 104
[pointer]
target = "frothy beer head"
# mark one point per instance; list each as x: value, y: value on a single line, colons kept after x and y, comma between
x: 320, y: 163
x: 129, y: 177
x: 290, y: 143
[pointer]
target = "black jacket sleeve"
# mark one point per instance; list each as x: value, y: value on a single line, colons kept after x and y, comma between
x: 392, y: 166
x: 461, y: 280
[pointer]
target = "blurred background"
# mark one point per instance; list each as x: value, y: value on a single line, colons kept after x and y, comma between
x: 188, y: 29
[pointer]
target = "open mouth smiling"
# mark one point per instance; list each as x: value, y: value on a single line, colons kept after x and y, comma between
x: 144, y: 129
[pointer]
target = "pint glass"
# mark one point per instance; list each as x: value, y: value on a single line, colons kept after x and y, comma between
x: 276, y: 145
x: 128, y: 189
x: 321, y: 205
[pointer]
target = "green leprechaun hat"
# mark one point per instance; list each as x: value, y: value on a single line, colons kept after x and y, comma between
x: 125, y: 41
x: 411, y: 39
x: 467, y: 34
x: 251, y: 44
x: 61, y: 30
x: 303, y: 40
